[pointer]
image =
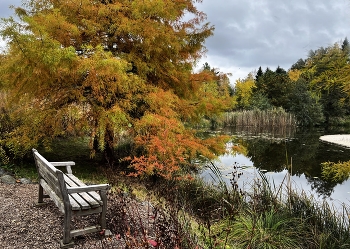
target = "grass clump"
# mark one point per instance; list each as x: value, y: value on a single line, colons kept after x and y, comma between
x: 270, y: 229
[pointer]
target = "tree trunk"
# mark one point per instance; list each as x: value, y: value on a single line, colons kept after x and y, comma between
x: 109, y: 149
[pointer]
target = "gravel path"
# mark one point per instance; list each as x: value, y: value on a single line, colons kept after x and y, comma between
x: 23, y: 225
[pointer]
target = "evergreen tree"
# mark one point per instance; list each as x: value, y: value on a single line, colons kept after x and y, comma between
x: 302, y: 103
x: 345, y: 46
x: 275, y: 85
x: 258, y: 74
x: 298, y: 65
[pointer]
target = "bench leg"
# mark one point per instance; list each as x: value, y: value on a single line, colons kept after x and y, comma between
x: 103, y: 219
x: 68, y: 245
x: 41, y: 194
x: 67, y: 239
x: 104, y: 210
x: 107, y: 232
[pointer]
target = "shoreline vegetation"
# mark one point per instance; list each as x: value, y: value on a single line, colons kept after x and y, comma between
x: 272, y: 118
x: 266, y: 216
x: 275, y: 121
x: 205, y: 215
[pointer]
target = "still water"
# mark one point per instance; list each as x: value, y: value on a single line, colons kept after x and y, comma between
x: 276, y: 153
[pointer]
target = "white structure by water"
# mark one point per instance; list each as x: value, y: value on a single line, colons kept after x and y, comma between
x: 339, y: 139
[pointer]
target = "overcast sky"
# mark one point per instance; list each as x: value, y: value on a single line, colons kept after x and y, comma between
x: 266, y: 33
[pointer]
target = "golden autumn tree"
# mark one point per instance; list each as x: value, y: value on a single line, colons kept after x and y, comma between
x: 244, y: 91
x: 327, y: 70
x: 108, y: 69
x: 215, y: 92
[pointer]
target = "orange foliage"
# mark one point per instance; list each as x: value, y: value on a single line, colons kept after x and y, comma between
x: 108, y: 69
x: 171, y: 148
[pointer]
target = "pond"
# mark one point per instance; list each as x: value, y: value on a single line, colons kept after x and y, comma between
x: 276, y: 153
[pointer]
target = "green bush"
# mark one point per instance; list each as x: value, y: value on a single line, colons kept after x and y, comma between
x: 336, y: 172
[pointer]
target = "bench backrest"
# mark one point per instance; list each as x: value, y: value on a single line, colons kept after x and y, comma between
x: 52, y: 176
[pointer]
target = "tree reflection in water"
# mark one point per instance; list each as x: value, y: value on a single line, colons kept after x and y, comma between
x: 303, y: 150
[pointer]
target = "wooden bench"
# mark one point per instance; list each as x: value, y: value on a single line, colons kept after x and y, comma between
x: 71, y: 196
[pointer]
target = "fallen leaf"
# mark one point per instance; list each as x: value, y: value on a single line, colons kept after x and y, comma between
x: 153, y: 242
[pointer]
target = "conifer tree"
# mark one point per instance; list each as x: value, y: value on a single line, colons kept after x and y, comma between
x: 108, y: 69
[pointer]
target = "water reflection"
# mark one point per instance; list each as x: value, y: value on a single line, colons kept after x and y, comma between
x: 301, y: 154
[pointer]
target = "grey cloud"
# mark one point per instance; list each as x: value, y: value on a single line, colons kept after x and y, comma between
x: 273, y: 32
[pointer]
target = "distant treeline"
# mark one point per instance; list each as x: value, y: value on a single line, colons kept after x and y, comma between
x: 315, y: 90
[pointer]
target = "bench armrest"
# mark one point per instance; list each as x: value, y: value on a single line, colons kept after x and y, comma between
x: 58, y: 164
x: 88, y: 188
x: 64, y: 164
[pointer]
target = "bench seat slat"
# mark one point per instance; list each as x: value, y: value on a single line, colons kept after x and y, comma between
x: 84, y: 199
x: 87, y: 188
x: 93, y: 194
x: 78, y: 202
x: 75, y: 204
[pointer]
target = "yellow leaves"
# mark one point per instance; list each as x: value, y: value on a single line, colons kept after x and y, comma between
x: 107, y: 10
x: 40, y: 67
x: 56, y: 26
x: 143, y: 9
x: 211, y: 93
x: 294, y: 74
x: 148, y: 33
x: 109, y: 82
x: 118, y: 118
x: 150, y: 124
x: 244, y: 90
x: 327, y: 68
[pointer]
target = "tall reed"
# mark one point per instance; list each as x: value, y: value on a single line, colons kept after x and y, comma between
x: 276, y: 117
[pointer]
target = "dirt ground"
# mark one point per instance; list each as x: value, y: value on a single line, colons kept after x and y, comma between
x: 24, y: 225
